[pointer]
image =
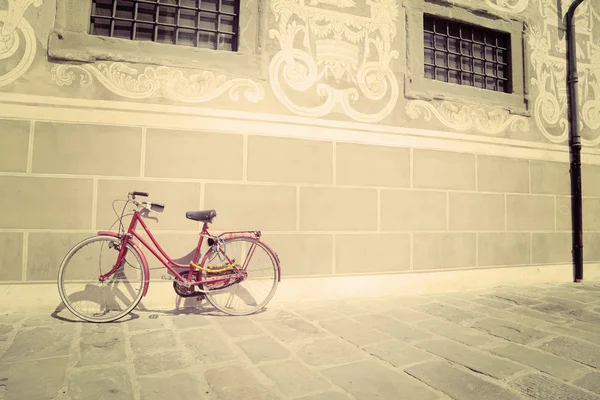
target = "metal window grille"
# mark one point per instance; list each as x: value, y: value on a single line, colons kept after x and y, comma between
x: 465, y: 54
x: 198, y: 23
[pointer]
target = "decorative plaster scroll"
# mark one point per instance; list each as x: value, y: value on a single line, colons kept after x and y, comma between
x: 166, y: 82
x: 467, y: 116
x: 508, y: 6
x: 548, y: 58
x: 11, y: 23
x: 338, y: 3
x: 501, y: 6
x: 343, y: 58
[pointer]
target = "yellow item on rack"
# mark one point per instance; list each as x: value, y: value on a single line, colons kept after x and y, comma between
x: 222, y: 268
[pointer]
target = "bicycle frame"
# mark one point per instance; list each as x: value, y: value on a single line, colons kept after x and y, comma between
x: 168, y: 262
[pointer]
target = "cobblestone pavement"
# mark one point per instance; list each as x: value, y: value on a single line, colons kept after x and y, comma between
x: 540, y: 342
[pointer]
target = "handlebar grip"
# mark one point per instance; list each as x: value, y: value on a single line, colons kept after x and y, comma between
x: 143, y: 194
x: 157, y: 207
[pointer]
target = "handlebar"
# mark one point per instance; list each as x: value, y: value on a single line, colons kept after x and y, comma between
x: 150, y: 206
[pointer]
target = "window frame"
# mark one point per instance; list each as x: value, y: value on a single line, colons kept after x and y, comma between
x: 70, y: 40
x: 417, y: 86
x: 138, y: 24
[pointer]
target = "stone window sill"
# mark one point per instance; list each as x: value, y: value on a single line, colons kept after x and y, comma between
x: 81, y: 47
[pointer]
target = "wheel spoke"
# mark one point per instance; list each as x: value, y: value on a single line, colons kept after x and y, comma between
x: 88, y: 298
x: 247, y: 296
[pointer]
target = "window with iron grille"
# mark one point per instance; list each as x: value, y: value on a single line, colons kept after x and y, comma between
x: 465, y: 54
x: 209, y: 24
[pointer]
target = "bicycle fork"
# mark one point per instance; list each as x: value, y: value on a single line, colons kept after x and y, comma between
x: 120, y: 258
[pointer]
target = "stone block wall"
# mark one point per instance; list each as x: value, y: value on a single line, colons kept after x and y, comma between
x: 328, y: 207
x: 423, y: 178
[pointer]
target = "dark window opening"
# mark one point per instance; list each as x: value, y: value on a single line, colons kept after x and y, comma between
x: 211, y: 24
x: 464, y: 54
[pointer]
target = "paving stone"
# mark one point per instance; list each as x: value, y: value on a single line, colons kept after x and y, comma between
x: 448, y: 312
x: 41, y: 320
x: 409, y: 301
x: 548, y: 363
x: 11, y: 318
x: 368, y: 380
x: 454, y: 301
x: 326, y: 396
x: 147, y: 321
x: 177, y: 386
x: 585, y: 316
x: 542, y: 387
x: 393, y: 327
x: 397, y: 353
x: 553, y: 318
x: 314, y: 314
x: 590, y: 382
x: 475, y: 360
x: 570, y: 304
x: 107, y: 384
x: 293, y: 330
x: 263, y: 349
x: 551, y: 308
x: 457, y: 383
x: 352, y: 307
x: 146, y: 364
x: 514, y: 299
x: 586, y: 327
x: 293, y: 378
x: 587, y: 287
x: 329, y: 352
x: 101, y: 345
x: 580, y: 297
x: 91, y: 327
x: 208, y: 345
x: 468, y: 336
x: 153, y: 341
x: 511, y: 331
x: 187, y: 321
x: 237, y: 383
x: 407, y: 315
x: 509, y: 315
x: 575, y: 333
x: 238, y: 327
x: 272, y: 314
x: 5, y: 328
x: 492, y: 303
x: 35, y: 380
x: 354, y: 332
x: 34, y: 343
x: 572, y: 349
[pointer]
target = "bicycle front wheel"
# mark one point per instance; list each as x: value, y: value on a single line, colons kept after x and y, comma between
x: 256, y: 290
x: 85, y: 295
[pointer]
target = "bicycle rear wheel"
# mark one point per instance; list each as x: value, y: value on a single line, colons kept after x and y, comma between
x: 256, y: 290
x: 81, y: 290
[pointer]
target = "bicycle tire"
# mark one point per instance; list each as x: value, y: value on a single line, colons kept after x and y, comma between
x: 69, y: 304
x: 211, y: 295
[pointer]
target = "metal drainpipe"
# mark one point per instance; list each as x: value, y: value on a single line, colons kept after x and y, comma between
x: 575, y: 144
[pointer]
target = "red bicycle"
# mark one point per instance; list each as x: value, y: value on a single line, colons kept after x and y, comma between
x: 104, y: 277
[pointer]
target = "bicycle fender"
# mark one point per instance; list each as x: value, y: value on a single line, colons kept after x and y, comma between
x: 142, y: 256
x: 231, y: 235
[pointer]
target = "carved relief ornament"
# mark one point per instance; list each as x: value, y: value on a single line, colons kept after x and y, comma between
x: 463, y: 117
x: 548, y: 59
x: 166, y: 82
x: 341, y: 57
x: 14, y: 29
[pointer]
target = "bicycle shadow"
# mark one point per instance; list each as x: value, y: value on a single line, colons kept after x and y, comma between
x: 182, y: 306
